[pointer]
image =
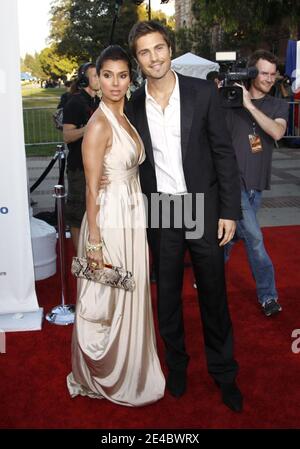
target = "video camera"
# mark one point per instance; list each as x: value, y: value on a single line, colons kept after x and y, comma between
x: 233, y: 71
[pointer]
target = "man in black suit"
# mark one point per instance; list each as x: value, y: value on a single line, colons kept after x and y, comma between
x: 188, y: 153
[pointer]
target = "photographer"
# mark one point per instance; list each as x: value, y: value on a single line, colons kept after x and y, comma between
x: 282, y: 87
x: 214, y: 76
x: 254, y: 128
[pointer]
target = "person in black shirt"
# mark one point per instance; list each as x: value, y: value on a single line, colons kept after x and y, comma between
x: 214, y: 76
x: 77, y: 113
x: 254, y: 128
x: 65, y: 96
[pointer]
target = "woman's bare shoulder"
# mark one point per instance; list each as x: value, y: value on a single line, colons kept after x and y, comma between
x: 98, y: 123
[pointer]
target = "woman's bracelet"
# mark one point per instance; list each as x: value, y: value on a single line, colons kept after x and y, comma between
x: 93, y: 247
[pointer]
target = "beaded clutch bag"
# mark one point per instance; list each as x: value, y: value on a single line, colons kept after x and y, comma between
x: 109, y: 275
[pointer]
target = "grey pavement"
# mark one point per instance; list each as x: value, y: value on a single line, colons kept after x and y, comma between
x: 280, y: 206
x: 42, y: 197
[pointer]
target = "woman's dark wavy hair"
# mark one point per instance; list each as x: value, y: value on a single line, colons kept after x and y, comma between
x: 113, y: 53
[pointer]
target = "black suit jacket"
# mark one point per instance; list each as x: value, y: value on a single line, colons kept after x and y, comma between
x: 209, y: 162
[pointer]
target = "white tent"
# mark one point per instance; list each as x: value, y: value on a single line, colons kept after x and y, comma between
x: 192, y: 65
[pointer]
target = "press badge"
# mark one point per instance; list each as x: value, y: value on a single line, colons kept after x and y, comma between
x: 254, y: 140
x: 255, y: 143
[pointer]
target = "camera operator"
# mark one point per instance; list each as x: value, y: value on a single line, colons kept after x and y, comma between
x: 282, y: 87
x: 77, y: 112
x: 254, y: 128
x: 214, y: 76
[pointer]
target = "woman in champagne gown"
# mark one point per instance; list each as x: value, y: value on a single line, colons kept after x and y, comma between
x: 114, y: 352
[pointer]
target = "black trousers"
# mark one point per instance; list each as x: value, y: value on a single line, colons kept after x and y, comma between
x: 168, y: 246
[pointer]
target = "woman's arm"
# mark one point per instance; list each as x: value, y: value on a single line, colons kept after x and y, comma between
x: 95, y: 142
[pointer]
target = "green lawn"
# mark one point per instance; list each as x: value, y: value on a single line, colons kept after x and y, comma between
x: 38, y: 123
x: 40, y: 150
x: 41, y: 97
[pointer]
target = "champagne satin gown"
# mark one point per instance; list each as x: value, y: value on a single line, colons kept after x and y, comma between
x: 113, y: 346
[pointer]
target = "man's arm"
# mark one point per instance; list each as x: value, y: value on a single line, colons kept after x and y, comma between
x: 224, y: 159
x: 71, y: 133
x: 273, y: 127
x: 226, y: 169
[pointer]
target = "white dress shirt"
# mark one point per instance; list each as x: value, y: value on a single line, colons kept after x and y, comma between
x: 164, y: 127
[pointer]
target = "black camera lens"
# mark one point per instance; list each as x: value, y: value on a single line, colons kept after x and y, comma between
x: 231, y: 94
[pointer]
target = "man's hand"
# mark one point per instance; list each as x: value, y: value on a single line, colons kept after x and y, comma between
x: 247, y: 103
x: 226, y: 229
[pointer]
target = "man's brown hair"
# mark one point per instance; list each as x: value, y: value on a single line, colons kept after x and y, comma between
x: 262, y: 54
x: 140, y: 29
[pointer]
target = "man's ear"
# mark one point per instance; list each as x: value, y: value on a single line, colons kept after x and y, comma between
x: 170, y: 52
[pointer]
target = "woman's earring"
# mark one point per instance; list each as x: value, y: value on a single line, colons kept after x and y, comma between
x: 99, y: 93
x: 128, y: 93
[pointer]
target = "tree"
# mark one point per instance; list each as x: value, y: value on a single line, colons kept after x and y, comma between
x: 81, y: 28
x: 245, y: 24
x: 54, y: 65
x: 60, y: 19
x: 158, y: 15
x: 23, y: 66
x: 184, y: 41
x: 258, y: 13
x: 32, y: 65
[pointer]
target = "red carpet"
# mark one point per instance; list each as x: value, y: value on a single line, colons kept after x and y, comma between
x: 33, y: 391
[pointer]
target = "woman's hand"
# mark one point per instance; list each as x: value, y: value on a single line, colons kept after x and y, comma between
x: 95, y: 259
x: 104, y: 181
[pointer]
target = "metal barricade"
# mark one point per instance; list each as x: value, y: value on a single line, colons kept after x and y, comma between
x: 293, y: 126
x: 39, y: 127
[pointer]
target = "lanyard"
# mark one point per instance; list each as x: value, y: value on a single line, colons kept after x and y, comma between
x: 252, y: 119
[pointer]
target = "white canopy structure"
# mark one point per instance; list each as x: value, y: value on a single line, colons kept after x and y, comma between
x: 192, y: 65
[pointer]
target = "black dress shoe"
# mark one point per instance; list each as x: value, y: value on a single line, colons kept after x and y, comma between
x: 176, y: 383
x: 231, y: 396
